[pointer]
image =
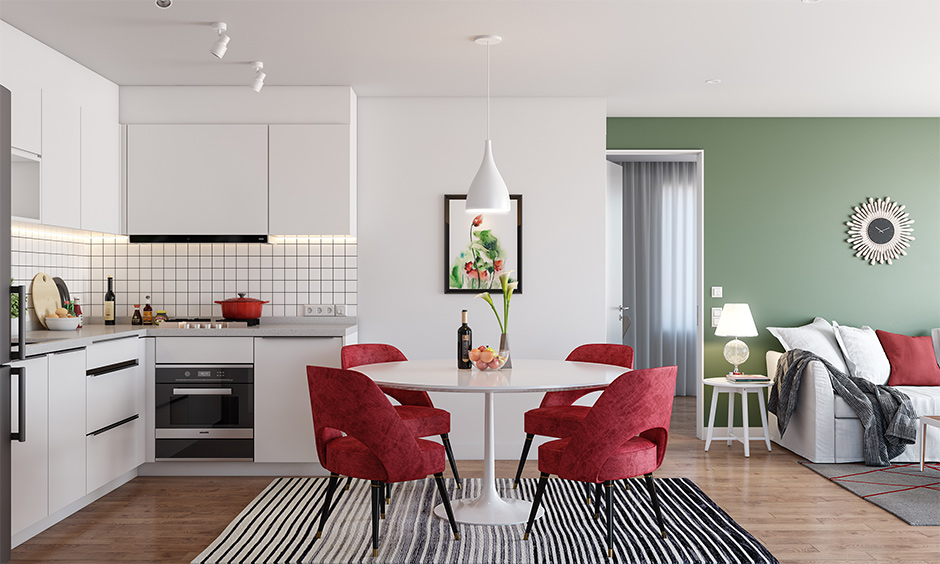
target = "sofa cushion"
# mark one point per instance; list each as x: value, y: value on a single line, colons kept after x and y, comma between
x: 816, y: 337
x: 924, y: 399
x: 913, y: 360
x: 863, y: 353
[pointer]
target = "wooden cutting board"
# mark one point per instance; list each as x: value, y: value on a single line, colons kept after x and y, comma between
x: 44, y: 297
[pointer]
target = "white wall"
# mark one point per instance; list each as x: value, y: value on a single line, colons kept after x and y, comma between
x: 412, y: 151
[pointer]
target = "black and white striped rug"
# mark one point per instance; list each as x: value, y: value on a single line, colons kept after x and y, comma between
x: 280, y: 524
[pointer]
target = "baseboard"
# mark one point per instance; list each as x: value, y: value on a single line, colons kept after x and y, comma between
x: 231, y: 469
x: 40, y: 526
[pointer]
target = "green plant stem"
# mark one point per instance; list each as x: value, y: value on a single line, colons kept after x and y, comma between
x: 498, y: 320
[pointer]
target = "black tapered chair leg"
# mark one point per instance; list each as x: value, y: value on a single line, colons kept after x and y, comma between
x: 376, y: 493
x: 587, y: 487
x: 655, y: 500
x: 325, y: 510
x: 445, y: 438
x: 525, y: 454
x: 439, y: 478
x: 382, y: 500
x: 348, y: 481
x: 539, y: 492
x: 388, y: 493
x: 609, y: 502
x: 598, y: 493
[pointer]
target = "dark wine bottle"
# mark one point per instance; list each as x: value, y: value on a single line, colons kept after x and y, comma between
x: 464, y: 342
x: 109, y: 303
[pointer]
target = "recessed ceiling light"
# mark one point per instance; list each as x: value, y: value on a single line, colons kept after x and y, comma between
x: 713, y: 81
x: 810, y: 1
x: 163, y: 3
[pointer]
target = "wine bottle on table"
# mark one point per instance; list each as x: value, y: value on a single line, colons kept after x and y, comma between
x: 464, y: 342
x: 109, y: 303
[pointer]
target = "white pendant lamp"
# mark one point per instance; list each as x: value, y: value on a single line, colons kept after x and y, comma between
x: 488, y: 192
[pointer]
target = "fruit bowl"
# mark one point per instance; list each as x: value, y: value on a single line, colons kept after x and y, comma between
x: 486, y: 358
x: 62, y: 323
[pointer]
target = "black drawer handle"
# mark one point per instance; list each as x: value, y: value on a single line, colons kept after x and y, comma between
x: 113, y: 425
x: 20, y: 435
x: 111, y: 368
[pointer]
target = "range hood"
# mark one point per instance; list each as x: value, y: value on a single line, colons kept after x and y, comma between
x: 198, y: 238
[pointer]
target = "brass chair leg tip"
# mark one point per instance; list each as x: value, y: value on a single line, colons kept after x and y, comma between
x: 588, y: 501
x: 515, y: 485
x: 459, y: 487
x: 388, y: 500
x: 596, y: 515
x: 375, y: 552
x: 610, y: 553
x: 525, y: 537
x: 456, y: 536
x: 319, y: 533
x: 664, y: 534
x: 382, y: 515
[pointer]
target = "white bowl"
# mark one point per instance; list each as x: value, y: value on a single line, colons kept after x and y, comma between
x: 62, y: 323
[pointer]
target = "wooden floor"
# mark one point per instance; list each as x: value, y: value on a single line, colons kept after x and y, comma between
x: 797, y: 514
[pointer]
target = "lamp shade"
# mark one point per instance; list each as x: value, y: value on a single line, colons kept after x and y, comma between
x: 488, y: 192
x: 736, y: 321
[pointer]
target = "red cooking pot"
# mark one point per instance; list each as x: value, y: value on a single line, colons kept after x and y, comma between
x: 241, y: 307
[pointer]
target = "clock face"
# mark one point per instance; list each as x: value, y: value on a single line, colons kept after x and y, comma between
x: 880, y: 230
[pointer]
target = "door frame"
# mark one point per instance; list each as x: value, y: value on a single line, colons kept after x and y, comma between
x: 699, y: 267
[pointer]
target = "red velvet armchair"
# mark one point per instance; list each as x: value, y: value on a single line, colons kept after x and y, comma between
x: 556, y: 416
x: 622, y: 436
x: 358, y: 433
x: 416, y: 409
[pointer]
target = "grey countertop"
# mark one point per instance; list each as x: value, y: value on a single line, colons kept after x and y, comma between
x: 45, y: 342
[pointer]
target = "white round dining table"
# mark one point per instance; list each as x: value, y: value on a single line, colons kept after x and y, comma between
x: 524, y: 376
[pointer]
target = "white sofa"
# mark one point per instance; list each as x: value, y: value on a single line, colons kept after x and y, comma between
x: 823, y: 428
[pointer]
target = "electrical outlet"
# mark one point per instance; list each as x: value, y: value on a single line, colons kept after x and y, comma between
x: 340, y: 310
x: 318, y: 311
x: 716, y: 316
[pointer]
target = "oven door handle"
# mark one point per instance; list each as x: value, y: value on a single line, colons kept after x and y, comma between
x: 202, y: 391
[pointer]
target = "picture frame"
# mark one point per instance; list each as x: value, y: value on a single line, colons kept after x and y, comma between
x: 480, y: 247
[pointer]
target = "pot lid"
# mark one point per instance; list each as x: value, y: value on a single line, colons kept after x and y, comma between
x: 241, y: 299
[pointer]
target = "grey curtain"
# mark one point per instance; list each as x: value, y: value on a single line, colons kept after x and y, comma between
x: 659, y: 211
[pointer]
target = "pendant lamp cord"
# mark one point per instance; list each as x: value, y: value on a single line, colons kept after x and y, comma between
x: 487, y: 90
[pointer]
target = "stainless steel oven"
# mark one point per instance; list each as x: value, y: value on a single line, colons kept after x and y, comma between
x: 204, y: 412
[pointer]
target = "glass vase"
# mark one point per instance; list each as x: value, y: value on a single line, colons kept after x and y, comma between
x: 504, y: 349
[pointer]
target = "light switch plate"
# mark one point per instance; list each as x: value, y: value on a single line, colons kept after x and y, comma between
x: 716, y: 291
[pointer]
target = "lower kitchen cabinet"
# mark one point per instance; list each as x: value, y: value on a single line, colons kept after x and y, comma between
x: 66, y: 428
x: 112, y: 452
x: 283, y: 423
x: 29, y: 460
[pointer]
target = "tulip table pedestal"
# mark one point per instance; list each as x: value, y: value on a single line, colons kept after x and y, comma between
x: 525, y: 376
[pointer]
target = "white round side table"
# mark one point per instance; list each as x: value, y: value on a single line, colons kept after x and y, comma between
x: 722, y: 384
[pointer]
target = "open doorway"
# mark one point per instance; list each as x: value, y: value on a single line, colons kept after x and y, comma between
x: 655, y: 248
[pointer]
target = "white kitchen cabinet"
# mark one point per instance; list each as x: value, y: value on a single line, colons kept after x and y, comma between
x: 29, y: 461
x: 283, y: 422
x: 61, y: 159
x: 312, y: 180
x: 19, y: 75
x: 197, y: 179
x: 66, y: 428
x: 113, y: 452
x: 100, y: 172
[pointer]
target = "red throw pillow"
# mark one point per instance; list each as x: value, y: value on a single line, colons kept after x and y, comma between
x: 913, y: 362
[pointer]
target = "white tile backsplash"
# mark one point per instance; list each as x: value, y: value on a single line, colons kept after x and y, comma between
x: 186, y: 279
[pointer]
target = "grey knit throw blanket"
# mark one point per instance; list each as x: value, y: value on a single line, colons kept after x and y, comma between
x: 887, y: 417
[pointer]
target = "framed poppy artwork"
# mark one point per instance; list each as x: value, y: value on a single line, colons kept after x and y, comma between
x: 478, y: 248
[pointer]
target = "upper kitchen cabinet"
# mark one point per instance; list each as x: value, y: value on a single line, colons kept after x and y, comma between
x: 61, y: 159
x: 312, y: 175
x: 19, y: 75
x: 101, y: 172
x: 197, y: 179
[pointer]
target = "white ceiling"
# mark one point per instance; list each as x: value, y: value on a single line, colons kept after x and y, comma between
x: 647, y: 57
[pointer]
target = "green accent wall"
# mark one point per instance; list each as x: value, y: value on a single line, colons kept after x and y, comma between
x: 778, y: 192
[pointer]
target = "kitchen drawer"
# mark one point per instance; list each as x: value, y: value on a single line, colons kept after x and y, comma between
x: 115, y: 351
x: 112, y: 453
x: 111, y: 397
x: 205, y: 350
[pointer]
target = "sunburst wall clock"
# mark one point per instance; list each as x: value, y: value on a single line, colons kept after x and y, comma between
x: 880, y: 231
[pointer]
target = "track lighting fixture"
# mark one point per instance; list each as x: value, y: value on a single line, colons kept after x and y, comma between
x: 163, y: 3
x: 221, y: 44
x: 257, y: 83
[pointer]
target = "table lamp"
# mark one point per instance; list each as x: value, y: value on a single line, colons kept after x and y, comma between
x: 736, y: 321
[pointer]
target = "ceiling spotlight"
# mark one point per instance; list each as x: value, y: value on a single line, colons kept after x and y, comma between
x: 713, y: 81
x: 257, y: 83
x: 221, y: 44
x: 163, y: 3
